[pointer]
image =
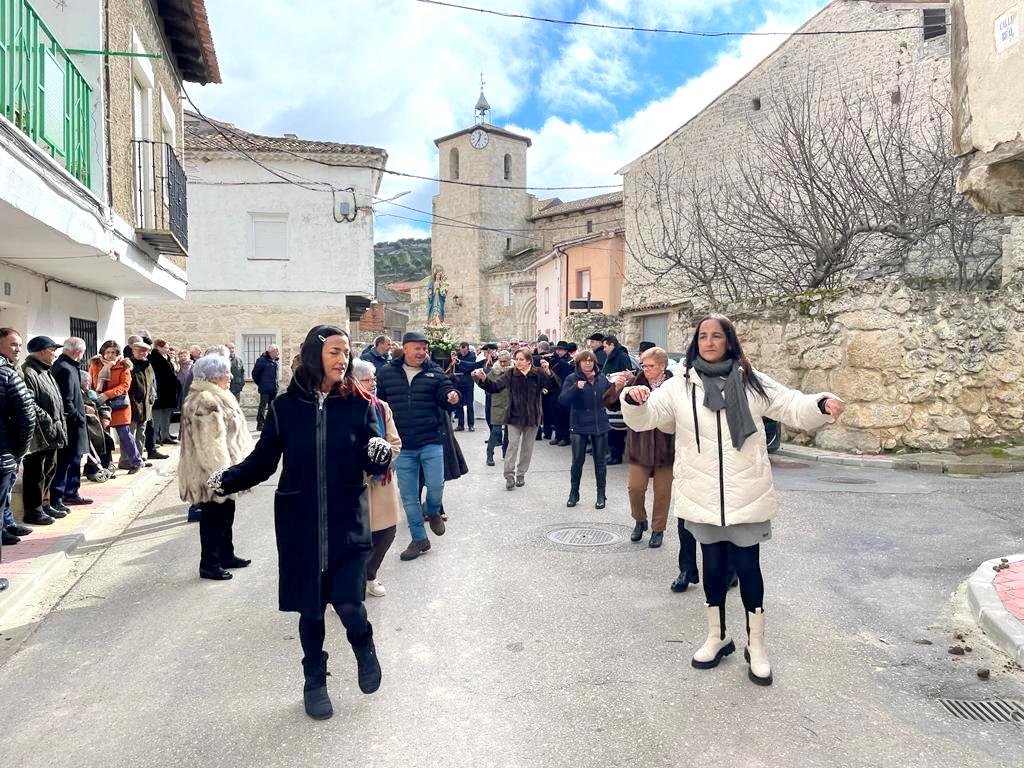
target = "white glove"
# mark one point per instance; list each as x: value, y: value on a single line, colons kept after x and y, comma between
x: 378, y: 450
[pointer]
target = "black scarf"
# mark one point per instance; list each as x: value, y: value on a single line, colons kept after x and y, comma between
x: 732, y: 398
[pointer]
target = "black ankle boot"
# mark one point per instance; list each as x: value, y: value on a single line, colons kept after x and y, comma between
x: 574, y: 497
x: 367, y: 663
x: 601, y: 501
x: 314, y: 692
x: 638, y: 530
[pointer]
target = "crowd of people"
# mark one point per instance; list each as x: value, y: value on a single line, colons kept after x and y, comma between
x: 359, y: 437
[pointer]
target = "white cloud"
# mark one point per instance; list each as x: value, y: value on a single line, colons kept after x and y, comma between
x: 569, y: 151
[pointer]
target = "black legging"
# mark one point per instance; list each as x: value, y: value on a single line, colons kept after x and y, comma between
x: 579, y: 456
x: 718, y: 558
x: 312, y: 631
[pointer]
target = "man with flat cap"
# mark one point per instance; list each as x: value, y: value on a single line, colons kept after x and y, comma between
x: 50, y: 434
x: 421, y: 397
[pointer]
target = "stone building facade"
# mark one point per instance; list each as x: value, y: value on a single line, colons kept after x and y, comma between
x: 489, y: 233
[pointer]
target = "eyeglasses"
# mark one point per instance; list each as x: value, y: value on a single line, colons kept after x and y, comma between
x: 367, y: 379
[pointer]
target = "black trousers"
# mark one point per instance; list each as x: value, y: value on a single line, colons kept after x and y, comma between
x: 617, y: 443
x: 215, y: 535
x: 466, y: 415
x: 312, y: 631
x: 550, y: 424
x: 561, y: 422
x: 266, y: 398
x: 579, y: 456
x: 382, y: 541
x: 40, y: 468
x: 499, y: 436
x: 687, y: 550
x: 719, y: 561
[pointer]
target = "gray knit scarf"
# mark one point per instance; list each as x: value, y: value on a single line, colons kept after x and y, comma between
x: 733, y: 398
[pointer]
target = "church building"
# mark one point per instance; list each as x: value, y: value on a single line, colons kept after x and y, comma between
x: 490, y: 235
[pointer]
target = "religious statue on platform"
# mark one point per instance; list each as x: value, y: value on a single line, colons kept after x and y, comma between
x: 437, y: 293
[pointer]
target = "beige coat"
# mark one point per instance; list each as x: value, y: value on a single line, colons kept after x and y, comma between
x: 214, y: 436
x: 384, y: 501
x: 713, y: 483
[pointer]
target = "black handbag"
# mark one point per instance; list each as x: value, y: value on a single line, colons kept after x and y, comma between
x: 118, y: 403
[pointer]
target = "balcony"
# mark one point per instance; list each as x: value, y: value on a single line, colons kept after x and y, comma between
x: 161, y: 198
x: 42, y: 92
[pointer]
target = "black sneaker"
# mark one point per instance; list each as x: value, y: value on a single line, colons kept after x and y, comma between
x: 53, y: 512
x: 8, y: 539
x: 59, y: 506
x: 76, y: 500
x: 18, y: 530
x: 155, y: 455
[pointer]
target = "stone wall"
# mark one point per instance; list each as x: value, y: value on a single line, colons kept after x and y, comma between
x: 208, y: 324
x: 919, y: 370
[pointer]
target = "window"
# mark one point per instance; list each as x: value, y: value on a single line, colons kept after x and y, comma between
x: 85, y: 330
x: 269, y: 236
x: 755, y: 103
x: 655, y: 329
x: 508, y: 296
x: 253, y: 345
x: 508, y: 245
x: 547, y: 300
x: 934, y: 22
x: 453, y: 164
x: 582, y: 283
x: 508, y: 167
x: 590, y: 226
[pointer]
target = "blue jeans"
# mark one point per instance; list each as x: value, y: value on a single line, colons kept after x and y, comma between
x: 6, y: 488
x: 429, y: 458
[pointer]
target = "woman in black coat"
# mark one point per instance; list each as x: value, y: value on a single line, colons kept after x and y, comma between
x: 326, y: 430
x: 583, y: 394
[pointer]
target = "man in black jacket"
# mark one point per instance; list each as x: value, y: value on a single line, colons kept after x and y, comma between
x: 265, y: 373
x: 561, y: 366
x: 67, y: 478
x: 420, y: 396
x: 17, y: 424
x: 50, y: 434
x: 465, y: 363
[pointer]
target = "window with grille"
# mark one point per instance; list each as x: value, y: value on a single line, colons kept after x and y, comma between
x: 934, y: 22
x: 254, y: 345
x: 86, y: 330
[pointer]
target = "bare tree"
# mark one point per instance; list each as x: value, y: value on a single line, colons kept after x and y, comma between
x: 829, y: 187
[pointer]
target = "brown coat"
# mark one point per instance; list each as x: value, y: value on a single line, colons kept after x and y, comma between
x: 525, y: 394
x: 652, y: 448
x: 383, y: 496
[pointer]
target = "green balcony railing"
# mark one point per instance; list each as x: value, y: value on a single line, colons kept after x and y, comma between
x: 41, y: 90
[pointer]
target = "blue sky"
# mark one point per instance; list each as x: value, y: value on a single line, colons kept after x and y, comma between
x: 398, y: 73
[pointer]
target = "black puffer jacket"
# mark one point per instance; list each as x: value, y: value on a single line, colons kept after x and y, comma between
x: 320, y: 509
x: 17, y: 417
x: 68, y: 376
x: 51, y: 430
x: 617, y: 361
x: 419, y: 409
x: 587, y: 415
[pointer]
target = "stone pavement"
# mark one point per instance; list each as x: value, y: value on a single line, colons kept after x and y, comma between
x: 27, y: 564
x: 963, y: 462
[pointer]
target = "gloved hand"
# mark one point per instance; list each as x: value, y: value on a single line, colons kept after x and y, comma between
x: 213, y: 482
x: 378, y: 450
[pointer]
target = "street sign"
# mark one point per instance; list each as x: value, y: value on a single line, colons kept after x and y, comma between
x: 584, y: 304
x: 1007, y: 29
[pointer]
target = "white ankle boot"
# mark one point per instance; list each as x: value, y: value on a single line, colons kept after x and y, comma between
x: 718, y: 645
x: 756, y: 653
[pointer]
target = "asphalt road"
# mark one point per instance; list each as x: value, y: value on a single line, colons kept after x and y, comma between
x: 500, y: 648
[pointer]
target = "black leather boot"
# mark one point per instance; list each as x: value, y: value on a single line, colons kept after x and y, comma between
x: 574, y: 496
x: 366, y: 662
x: 314, y: 692
x: 638, y: 530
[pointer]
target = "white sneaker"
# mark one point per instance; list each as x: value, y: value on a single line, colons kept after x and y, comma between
x: 375, y: 588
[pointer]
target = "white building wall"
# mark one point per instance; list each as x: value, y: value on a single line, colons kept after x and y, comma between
x: 327, y: 258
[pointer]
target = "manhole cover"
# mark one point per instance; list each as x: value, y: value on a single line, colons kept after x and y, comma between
x: 583, y: 536
x: 990, y: 711
x: 847, y: 480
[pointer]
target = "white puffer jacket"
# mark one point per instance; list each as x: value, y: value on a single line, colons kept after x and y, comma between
x: 714, y: 483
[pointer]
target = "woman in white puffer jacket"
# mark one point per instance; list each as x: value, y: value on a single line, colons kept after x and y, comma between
x: 722, y: 486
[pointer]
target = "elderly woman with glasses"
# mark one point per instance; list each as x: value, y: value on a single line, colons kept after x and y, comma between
x: 383, y: 493
x: 214, y: 435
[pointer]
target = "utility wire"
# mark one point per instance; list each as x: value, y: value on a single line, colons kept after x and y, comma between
x: 663, y: 31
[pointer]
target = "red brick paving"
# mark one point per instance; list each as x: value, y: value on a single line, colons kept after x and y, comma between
x: 1009, y: 585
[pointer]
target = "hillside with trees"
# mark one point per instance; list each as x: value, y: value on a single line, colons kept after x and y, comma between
x: 405, y: 259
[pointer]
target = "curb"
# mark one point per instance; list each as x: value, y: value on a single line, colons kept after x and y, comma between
x: 27, y: 581
x: 905, y: 462
x: 988, y: 611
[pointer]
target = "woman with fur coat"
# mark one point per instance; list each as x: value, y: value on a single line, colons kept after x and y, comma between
x: 214, y: 435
